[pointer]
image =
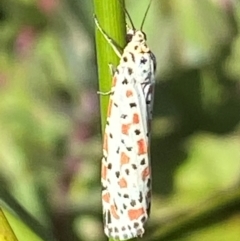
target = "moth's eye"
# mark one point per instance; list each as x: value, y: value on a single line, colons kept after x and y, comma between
x: 129, y: 37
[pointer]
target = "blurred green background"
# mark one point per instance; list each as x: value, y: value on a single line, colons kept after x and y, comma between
x: 50, y: 145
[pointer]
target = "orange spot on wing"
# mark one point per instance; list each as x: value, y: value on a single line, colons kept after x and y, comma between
x: 124, y: 158
x: 129, y: 93
x: 142, y: 147
x: 125, y: 128
x: 114, y: 211
x: 135, y: 118
x: 106, y: 197
x: 122, y: 183
x: 114, y: 81
x: 135, y: 213
x: 104, y: 172
x: 105, y: 142
x: 145, y: 173
x: 109, y: 108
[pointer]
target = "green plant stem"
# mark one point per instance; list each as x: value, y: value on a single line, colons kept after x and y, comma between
x: 111, y: 17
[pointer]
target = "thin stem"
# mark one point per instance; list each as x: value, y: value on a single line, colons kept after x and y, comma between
x: 111, y: 17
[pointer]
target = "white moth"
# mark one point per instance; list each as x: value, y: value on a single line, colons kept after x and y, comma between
x: 126, y: 168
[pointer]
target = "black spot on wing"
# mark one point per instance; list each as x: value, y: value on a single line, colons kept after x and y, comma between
x: 143, y: 161
x: 133, y: 56
x: 129, y: 148
x: 149, y: 209
x: 123, y: 116
x: 125, y: 82
x: 108, y: 217
x: 140, y: 197
x: 149, y: 183
x: 143, y: 219
x: 125, y: 236
x: 134, y: 166
x: 137, y: 132
x: 104, y: 188
x: 135, y: 225
x: 133, y: 104
x: 130, y: 71
x: 143, y: 60
x: 133, y: 203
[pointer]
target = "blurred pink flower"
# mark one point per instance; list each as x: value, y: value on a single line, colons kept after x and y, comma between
x: 89, y: 103
x: 47, y: 6
x: 24, y: 40
x: 227, y: 5
x: 3, y: 79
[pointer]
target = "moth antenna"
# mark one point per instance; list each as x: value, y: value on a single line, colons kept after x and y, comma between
x: 127, y: 13
x: 145, y: 15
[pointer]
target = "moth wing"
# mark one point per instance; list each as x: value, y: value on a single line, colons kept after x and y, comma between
x: 127, y: 181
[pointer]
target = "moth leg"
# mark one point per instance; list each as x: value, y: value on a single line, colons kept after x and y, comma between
x: 112, y: 69
x: 116, y: 48
x: 104, y: 93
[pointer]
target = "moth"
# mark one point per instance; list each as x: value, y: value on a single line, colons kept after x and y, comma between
x: 126, y: 168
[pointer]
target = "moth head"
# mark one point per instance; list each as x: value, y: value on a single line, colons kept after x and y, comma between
x: 135, y: 36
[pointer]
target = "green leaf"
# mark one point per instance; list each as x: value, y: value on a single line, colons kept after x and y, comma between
x: 6, y: 232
